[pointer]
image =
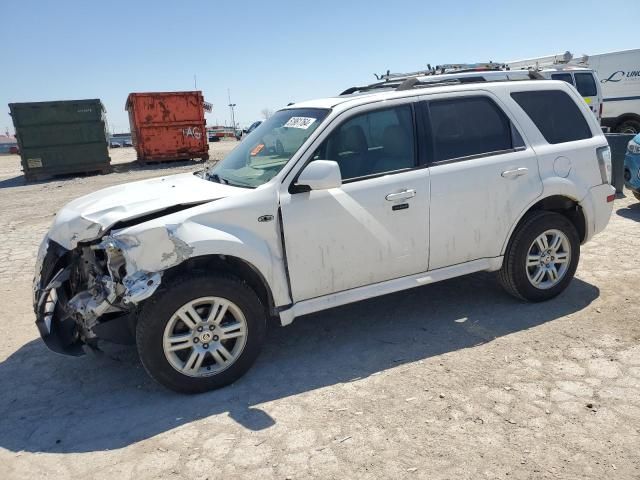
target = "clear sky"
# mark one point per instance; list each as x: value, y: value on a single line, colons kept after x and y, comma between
x: 270, y: 53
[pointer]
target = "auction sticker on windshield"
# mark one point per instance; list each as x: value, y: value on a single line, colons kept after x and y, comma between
x: 300, y: 122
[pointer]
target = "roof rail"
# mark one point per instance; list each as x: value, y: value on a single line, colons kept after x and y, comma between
x: 410, y: 83
x: 398, y: 86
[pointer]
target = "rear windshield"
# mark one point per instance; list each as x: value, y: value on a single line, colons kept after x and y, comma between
x: 586, y: 85
x: 555, y: 114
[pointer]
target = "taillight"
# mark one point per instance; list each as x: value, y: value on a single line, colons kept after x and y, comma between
x: 604, y: 162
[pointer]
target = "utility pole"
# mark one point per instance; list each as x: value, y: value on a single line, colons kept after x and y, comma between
x: 232, y: 106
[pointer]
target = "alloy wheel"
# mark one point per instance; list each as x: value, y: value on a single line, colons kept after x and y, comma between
x: 548, y: 259
x: 205, y: 336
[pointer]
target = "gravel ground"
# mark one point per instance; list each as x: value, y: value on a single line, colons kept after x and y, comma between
x: 452, y: 380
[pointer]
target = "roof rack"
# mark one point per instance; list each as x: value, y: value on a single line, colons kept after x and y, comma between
x: 401, y: 83
x: 555, y: 61
x: 443, y: 69
x: 565, y: 60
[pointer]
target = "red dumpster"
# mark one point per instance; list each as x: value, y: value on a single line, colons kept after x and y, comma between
x: 168, y: 125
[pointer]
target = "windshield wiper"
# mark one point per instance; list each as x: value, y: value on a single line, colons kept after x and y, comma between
x: 217, y: 178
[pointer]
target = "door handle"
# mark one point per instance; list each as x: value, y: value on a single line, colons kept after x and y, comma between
x: 404, y: 195
x: 518, y: 172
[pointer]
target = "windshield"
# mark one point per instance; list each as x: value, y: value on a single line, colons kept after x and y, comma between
x: 266, y: 150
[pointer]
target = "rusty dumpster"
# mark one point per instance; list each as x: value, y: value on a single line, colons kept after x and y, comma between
x: 168, y: 126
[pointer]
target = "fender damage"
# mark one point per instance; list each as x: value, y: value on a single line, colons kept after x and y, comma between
x: 92, y: 292
x: 88, y: 284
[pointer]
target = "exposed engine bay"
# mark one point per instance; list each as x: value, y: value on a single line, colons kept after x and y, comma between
x: 82, y: 293
x: 108, y: 251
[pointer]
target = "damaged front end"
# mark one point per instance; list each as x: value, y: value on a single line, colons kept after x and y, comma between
x: 85, y: 294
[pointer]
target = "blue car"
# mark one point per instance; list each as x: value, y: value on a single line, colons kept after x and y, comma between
x: 632, y: 166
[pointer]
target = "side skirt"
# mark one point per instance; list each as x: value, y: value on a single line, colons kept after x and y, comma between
x: 390, y: 286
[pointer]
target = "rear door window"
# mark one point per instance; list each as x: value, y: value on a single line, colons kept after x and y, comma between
x: 470, y: 126
x: 555, y: 114
x: 586, y: 85
x: 565, y: 77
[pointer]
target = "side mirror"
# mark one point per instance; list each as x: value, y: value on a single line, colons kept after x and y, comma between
x: 320, y: 175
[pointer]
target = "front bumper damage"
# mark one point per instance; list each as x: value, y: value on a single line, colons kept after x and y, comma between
x: 86, y: 294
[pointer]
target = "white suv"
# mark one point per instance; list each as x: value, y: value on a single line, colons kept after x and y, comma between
x: 385, y: 191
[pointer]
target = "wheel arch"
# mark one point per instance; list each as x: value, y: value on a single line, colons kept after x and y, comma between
x: 564, y: 204
x: 186, y: 244
x: 231, y: 265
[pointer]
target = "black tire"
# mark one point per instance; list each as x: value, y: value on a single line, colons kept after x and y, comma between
x: 513, y: 274
x: 158, y: 310
x: 628, y: 126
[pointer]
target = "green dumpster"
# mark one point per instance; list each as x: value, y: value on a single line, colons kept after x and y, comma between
x: 61, y: 137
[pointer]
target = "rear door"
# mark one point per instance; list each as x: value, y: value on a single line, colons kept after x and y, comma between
x: 483, y: 175
x: 588, y: 89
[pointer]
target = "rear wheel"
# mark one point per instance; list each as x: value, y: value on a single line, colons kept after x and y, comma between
x: 200, y: 332
x: 542, y: 257
x: 629, y: 126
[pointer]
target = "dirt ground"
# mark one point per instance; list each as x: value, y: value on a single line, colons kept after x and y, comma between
x: 453, y: 380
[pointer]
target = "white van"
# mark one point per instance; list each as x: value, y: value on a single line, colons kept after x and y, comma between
x: 619, y: 74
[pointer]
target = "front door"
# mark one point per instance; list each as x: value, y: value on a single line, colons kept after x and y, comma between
x: 375, y: 226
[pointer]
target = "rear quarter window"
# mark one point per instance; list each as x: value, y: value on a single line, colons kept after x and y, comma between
x: 555, y: 114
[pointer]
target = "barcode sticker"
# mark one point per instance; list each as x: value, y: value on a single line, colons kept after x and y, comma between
x: 300, y: 122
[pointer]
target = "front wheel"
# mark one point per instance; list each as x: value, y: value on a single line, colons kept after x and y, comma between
x: 200, y: 332
x: 541, y: 258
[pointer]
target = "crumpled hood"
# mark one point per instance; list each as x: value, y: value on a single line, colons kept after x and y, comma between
x: 86, y: 218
